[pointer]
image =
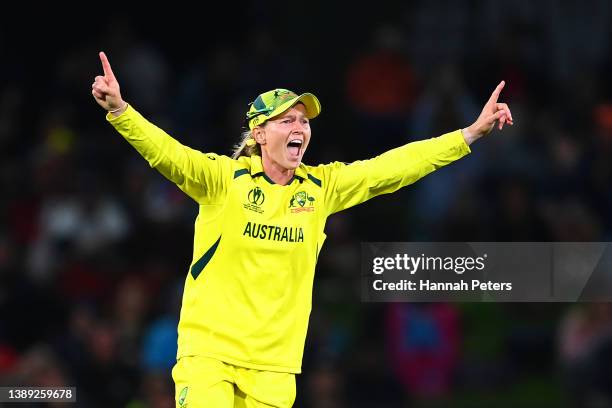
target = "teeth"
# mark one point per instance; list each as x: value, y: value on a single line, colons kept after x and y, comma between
x: 295, y: 141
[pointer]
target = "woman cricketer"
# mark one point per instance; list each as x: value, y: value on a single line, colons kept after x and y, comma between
x: 258, y: 234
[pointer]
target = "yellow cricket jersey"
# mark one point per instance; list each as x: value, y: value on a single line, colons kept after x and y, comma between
x: 248, y: 292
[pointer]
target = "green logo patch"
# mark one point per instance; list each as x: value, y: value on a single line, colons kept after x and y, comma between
x: 182, y: 397
x: 301, y: 201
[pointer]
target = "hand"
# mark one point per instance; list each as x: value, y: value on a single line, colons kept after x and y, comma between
x: 105, y: 89
x: 491, y: 113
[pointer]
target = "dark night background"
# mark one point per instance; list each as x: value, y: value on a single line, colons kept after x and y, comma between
x: 95, y: 245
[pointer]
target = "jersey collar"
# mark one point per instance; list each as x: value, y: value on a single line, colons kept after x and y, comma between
x: 257, y: 169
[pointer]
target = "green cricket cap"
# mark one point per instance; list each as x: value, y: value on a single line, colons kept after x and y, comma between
x: 273, y: 103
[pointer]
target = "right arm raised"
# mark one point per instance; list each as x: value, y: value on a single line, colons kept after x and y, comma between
x: 201, y: 176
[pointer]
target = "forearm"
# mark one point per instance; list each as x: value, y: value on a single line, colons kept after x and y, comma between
x: 158, y: 148
x: 396, y: 168
x: 406, y: 164
x: 420, y: 158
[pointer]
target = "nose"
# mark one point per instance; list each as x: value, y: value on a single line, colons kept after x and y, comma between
x: 298, y: 127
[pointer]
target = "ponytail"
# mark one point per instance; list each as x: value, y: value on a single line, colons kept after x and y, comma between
x: 246, y: 147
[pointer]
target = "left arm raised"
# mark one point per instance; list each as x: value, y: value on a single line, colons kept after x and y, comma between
x: 354, y: 183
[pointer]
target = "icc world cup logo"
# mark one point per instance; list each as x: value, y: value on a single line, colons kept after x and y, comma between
x: 256, y: 196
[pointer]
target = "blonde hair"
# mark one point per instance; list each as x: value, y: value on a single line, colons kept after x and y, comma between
x: 245, y: 146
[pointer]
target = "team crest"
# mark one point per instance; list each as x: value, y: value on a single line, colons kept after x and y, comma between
x: 301, y: 201
x: 283, y: 95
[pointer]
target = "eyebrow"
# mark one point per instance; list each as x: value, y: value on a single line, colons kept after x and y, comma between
x: 293, y: 116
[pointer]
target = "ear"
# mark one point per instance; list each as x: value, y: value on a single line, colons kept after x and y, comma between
x: 259, y: 134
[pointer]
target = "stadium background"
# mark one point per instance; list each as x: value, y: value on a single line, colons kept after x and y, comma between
x: 94, y: 245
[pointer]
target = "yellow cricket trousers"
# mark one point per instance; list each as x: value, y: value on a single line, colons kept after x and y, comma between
x: 203, y: 382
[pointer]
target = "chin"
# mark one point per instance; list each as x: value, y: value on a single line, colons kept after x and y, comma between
x: 293, y: 164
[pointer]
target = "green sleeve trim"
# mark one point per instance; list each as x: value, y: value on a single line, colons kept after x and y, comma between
x: 240, y: 172
x: 199, y: 266
x: 314, y: 180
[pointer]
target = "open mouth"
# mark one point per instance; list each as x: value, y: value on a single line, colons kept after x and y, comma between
x: 294, y: 146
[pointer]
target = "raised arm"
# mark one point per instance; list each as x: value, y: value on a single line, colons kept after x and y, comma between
x: 354, y: 183
x: 204, y: 177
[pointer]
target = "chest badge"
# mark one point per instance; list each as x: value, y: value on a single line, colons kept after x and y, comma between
x: 301, y: 201
x: 255, y: 198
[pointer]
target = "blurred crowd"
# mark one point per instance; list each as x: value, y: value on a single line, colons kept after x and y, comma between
x: 95, y: 245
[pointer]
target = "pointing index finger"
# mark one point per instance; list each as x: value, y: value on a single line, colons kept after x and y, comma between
x: 108, y: 72
x: 496, y: 92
